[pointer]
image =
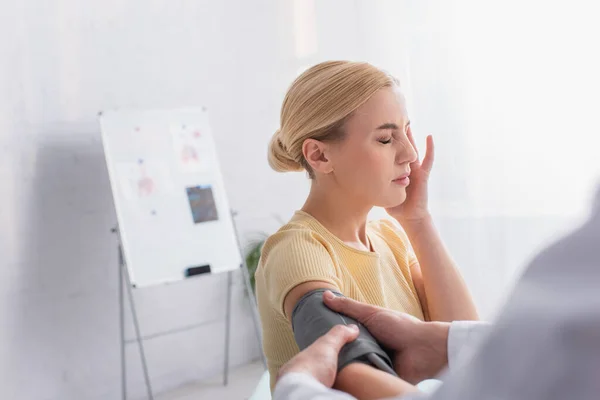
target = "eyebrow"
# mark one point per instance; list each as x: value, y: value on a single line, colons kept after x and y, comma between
x: 390, y: 125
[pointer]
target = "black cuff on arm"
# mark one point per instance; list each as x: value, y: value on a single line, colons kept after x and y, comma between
x: 312, y: 319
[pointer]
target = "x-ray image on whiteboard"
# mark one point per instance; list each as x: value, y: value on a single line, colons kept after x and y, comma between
x: 202, y: 204
x: 191, y: 148
x: 168, y: 190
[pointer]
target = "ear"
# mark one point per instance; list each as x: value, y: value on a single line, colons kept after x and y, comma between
x: 316, y: 154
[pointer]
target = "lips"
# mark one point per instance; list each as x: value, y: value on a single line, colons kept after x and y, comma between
x: 406, y: 175
x: 402, y: 180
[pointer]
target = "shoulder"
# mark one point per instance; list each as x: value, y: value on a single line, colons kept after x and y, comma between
x: 293, y: 256
x: 294, y: 241
x: 394, y: 236
x: 389, y: 230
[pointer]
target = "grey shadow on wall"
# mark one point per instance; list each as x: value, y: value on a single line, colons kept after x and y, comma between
x: 66, y: 310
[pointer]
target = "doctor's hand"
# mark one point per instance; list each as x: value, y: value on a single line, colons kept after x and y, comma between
x: 420, y: 348
x: 320, y: 359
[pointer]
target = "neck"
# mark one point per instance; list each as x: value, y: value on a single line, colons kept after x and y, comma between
x: 340, y: 216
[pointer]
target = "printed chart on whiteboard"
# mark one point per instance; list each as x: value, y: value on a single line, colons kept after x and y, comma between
x: 169, y: 195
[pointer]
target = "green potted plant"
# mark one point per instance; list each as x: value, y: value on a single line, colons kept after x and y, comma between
x: 254, y: 250
x: 252, y: 255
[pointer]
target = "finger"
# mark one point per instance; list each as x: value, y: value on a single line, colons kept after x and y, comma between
x: 338, y: 336
x: 353, y: 309
x: 427, y: 163
x: 411, y: 139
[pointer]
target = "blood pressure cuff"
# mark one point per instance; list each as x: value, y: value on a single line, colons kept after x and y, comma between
x: 312, y: 319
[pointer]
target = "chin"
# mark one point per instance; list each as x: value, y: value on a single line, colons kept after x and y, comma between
x: 393, y: 201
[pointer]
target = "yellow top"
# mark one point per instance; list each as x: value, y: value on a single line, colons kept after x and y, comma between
x: 304, y: 250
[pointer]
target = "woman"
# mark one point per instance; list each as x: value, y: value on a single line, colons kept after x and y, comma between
x: 346, y: 124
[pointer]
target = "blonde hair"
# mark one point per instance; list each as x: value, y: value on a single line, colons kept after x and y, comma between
x: 317, y: 105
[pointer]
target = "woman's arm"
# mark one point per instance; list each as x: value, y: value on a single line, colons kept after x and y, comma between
x: 359, y: 380
x: 365, y: 382
x: 440, y: 286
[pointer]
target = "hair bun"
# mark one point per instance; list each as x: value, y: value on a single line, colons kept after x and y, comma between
x: 279, y: 157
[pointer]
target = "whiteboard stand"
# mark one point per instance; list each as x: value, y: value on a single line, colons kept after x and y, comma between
x: 254, y: 309
x: 250, y: 293
x: 227, y: 329
x: 123, y: 273
x: 124, y: 280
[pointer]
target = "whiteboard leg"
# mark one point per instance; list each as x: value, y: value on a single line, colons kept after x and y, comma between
x: 138, y: 335
x: 254, y: 309
x: 255, y: 316
x: 122, y: 329
x: 227, y: 329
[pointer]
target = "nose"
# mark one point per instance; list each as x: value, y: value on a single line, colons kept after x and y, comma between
x: 405, y: 152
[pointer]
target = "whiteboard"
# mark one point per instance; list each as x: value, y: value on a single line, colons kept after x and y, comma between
x: 174, y: 217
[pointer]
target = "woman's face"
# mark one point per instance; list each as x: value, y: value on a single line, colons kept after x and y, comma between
x: 372, y: 163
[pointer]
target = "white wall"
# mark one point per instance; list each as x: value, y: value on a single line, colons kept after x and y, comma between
x: 64, y: 60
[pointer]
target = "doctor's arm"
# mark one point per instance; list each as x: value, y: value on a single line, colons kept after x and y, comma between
x: 361, y: 380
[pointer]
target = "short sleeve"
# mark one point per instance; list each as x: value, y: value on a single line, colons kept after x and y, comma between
x: 293, y: 257
x: 396, y: 236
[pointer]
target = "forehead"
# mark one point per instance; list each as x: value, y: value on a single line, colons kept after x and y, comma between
x: 387, y: 105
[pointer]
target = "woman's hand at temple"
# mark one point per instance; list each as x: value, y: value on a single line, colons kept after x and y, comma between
x: 415, y: 208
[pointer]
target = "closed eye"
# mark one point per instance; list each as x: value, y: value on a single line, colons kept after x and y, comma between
x: 385, y: 141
